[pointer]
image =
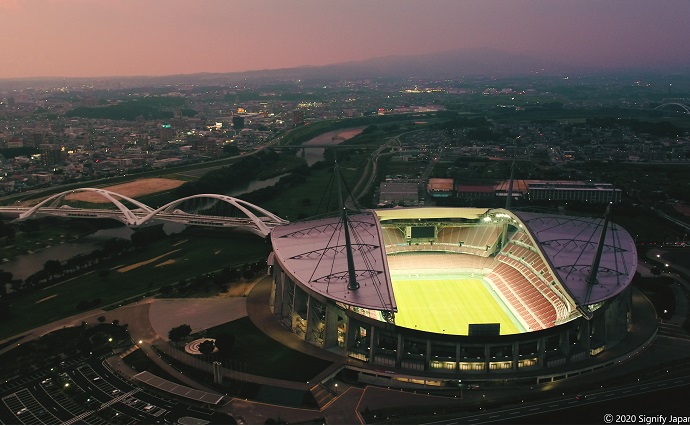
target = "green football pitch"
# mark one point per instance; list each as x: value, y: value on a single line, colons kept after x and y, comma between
x: 447, y: 305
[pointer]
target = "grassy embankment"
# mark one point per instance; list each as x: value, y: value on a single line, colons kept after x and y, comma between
x: 132, y: 276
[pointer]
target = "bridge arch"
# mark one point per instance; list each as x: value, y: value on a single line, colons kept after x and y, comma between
x: 678, y: 104
x: 248, y: 209
x: 53, y: 201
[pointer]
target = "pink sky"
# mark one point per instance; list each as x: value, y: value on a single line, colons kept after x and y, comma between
x: 91, y: 38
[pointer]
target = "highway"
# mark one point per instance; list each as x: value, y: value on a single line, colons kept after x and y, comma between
x: 590, y: 407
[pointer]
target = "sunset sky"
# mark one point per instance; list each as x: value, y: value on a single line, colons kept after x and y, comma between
x: 93, y: 38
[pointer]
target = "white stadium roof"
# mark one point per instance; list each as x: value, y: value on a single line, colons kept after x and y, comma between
x: 569, y: 244
x: 313, y: 252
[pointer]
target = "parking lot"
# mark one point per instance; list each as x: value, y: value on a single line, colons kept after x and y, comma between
x: 86, y: 391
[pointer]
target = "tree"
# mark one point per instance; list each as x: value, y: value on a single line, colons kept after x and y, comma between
x: 225, y: 342
x: 180, y: 332
x: 231, y: 150
x: 5, y: 312
x: 5, y: 278
x: 52, y: 267
x: 206, y: 347
x: 101, y: 319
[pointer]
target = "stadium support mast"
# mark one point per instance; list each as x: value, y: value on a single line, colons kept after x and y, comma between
x: 510, y: 186
x: 352, y: 283
x: 592, y: 277
x: 504, y: 230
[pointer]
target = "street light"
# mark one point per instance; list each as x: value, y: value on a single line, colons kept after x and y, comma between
x: 336, y: 389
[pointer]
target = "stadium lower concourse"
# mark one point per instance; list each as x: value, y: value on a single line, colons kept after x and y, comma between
x: 449, y: 292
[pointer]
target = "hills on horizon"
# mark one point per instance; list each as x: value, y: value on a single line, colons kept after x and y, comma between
x: 450, y: 64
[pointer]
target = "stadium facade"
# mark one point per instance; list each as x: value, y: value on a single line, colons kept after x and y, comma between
x: 562, y: 282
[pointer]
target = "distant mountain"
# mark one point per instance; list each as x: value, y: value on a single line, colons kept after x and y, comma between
x: 450, y: 64
x: 440, y: 65
x: 446, y: 64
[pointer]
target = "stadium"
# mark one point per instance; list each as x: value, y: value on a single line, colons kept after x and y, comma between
x: 454, y: 291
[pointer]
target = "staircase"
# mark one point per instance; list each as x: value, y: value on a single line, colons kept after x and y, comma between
x: 322, y: 395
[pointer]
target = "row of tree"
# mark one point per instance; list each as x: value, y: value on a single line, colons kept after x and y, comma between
x: 219, y: 279
x: 155, y: 107
x: 220, y: 181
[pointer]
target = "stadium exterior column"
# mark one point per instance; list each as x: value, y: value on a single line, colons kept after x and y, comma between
x: 516, y: 356
x: 399, y: 351
x: 372, y: 342
x: 541, y: 352
x: 330, y: 338
x: 487, y: 357
x: 308, y: 329
x: 584, y: 334
x: 565, y: 343
x: 457, y: 356
x: 350, y: 337
x: 278, y: 290
x: 427, y: 355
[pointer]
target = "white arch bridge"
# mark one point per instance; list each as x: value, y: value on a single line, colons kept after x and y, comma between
x: 676, y: 105
x: 201, y: 210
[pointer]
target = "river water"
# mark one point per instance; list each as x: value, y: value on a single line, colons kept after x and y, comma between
x: 254, y: 185
x: 313, y: 155
x: 25, y: 265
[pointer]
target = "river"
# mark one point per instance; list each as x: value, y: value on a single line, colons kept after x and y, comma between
x: 254, y: 185
x: 26, y: 265
x: 313, y: 155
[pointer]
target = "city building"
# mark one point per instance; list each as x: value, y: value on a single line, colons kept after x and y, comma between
x: 51, y: 154
x: 588, y: 192
x: 399, y: 192
x: 440, y: 187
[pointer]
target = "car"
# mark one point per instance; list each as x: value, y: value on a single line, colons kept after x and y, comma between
x: 23, y: 410
x: 580, y: 397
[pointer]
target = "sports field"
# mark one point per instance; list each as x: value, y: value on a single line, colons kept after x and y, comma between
x: 447, y: 305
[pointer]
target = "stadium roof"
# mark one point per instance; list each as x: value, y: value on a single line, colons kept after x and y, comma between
x: 570, y: 243
x: 313, y: 252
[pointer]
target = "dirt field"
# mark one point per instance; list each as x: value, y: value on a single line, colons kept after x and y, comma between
x: 348, y: 134
x: 133, y: 189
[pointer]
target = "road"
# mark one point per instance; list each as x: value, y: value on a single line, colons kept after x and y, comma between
x: 590, y: 407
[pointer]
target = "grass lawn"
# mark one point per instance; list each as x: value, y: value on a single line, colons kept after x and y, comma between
x: 310, y: 197
x: 256, y: 353
x: 447, y: 305
x: 177, y: 259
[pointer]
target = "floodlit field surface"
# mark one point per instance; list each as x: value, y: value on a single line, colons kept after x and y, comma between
x: 447, y: 305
